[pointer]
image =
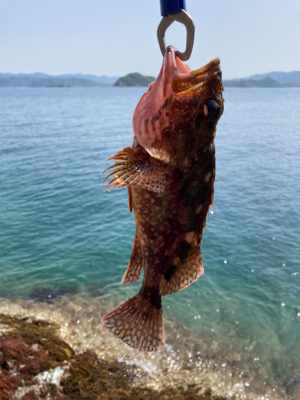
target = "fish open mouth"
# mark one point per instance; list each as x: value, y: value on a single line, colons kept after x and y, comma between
x: 183, y: 78
x: 183, y: 81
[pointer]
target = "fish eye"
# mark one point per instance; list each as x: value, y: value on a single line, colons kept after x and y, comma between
x: 212, y: 110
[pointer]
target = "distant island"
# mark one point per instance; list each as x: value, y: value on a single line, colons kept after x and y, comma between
x: 134, y: 79
x: 269, y: 80
x: 38, y: 79
x: 283, y: 79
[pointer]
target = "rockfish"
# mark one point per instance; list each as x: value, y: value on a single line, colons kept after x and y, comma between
x: 170, y: 173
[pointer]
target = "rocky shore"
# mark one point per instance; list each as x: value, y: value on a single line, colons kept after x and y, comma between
x: 58, y: 349
x: 37, y: 364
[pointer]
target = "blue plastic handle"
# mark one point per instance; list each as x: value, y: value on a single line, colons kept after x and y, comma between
x: 171, y: 6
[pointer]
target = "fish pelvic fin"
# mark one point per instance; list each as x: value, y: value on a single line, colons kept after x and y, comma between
x: 136, y: 168
x: 136, y: 264
x: 182, y: 273
x: 138, y: 323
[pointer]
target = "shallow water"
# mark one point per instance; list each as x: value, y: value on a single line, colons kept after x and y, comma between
x: 59, y: 233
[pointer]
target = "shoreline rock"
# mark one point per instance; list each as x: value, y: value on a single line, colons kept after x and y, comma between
x: 190, y: 366
x: 37, y: 364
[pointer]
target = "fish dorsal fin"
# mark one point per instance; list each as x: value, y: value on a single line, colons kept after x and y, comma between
x: 182, y: 273
x: 136, y: 168
x: 136, y: 264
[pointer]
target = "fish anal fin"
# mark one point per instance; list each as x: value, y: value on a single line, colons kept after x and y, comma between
x: 136, y: 264
x: 138, y: 323
x: 182, y: 274
x: 136, y: 168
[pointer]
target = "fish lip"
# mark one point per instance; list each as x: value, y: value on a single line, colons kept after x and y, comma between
x: 213, y: 65
x: 183, y: 78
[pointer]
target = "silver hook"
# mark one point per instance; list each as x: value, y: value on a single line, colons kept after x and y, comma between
x: 184, y: 18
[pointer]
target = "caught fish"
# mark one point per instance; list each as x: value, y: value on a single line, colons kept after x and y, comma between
x: 170, y: 173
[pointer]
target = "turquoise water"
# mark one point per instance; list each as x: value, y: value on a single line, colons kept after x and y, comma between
x: 59, y: 232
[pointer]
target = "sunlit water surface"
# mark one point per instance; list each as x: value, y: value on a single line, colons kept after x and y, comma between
x: 60, y: 233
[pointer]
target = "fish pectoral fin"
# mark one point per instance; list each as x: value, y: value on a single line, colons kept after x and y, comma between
x: 136, y: 264
x: 138, y: 323
x: 182, y: 274
x: 134, y: 168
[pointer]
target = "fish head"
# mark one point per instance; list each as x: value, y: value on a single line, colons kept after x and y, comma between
x: 178, y: 115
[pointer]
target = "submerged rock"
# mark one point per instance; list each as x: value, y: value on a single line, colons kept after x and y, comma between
x: 50, y: 294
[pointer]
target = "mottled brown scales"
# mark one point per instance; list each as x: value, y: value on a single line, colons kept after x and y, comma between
x: 170, y: 175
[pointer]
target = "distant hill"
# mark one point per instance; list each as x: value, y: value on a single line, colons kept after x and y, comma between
x: 266, y: 82
x: 33, y: 75
x: 270, y: 80
x: 134, y: 79
x: 109, y: 80
x: 281, y: 77
x: 39, y: 79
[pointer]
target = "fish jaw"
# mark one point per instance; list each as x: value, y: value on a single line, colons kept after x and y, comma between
x: 170, y: 109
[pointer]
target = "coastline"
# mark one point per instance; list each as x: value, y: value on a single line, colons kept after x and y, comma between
x: 180, y: 371
x: 37, y: 364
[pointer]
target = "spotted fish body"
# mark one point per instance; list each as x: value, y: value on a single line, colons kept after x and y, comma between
x: 169, y: 172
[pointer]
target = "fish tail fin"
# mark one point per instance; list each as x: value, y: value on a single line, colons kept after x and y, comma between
x: 138, y: 323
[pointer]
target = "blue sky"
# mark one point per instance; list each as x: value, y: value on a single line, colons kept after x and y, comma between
x: 116, y: 37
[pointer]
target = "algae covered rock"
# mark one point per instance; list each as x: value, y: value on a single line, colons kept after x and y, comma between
x: 28, y: 348
x: 36, y: 364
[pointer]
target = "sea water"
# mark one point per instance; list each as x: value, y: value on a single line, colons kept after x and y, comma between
x: 61, y: 234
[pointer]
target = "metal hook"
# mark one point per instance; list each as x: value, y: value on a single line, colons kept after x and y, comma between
x: 184, y: 18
